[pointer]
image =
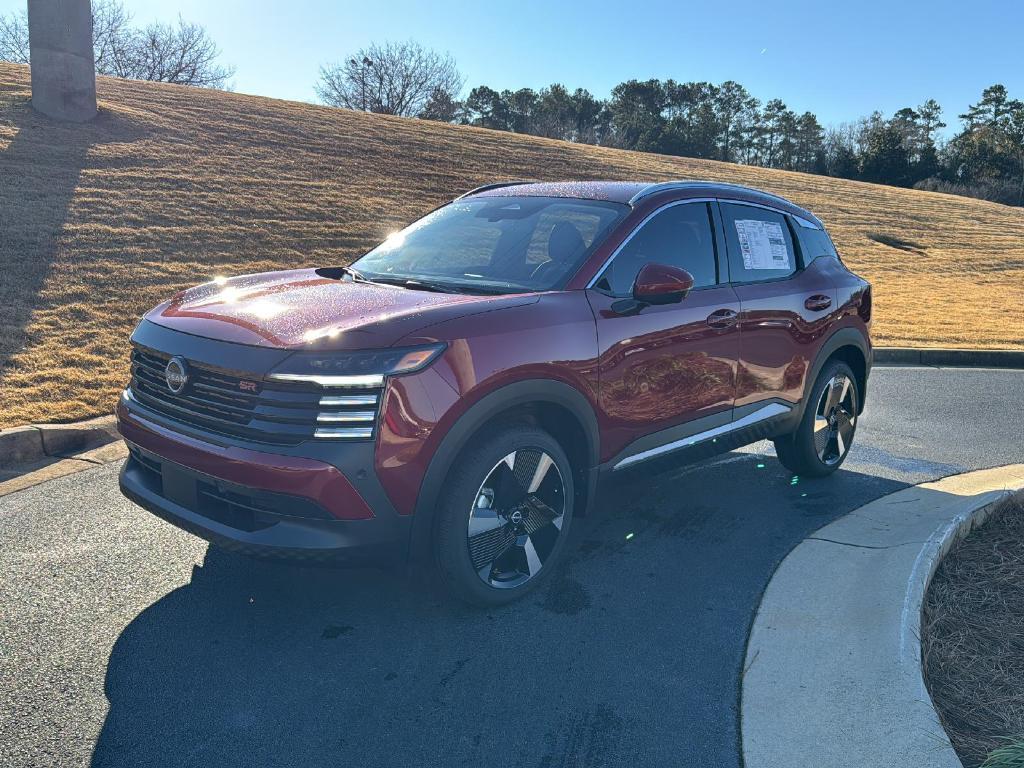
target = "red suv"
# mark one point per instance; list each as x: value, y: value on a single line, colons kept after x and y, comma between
x: 459, y: 391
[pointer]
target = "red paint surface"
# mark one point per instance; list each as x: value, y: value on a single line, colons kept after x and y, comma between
x: 307, y: 478
x: 299, y: 309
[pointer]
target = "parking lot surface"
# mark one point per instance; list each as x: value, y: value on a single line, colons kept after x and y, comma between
x: 127, y: 642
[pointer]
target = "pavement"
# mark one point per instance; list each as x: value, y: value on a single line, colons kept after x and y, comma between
x: 128, y: 642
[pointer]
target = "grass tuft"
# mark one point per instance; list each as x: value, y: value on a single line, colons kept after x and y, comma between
x: 1009, y: 756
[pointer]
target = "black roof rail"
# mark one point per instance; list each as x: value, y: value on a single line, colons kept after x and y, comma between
x: 496, y: 185
x: 651, y: 189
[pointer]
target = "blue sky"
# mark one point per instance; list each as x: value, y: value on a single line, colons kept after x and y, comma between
x: 840, y: 60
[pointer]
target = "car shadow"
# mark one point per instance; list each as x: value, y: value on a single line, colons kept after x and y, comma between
x: 630, y: 655
x: 40, y: 169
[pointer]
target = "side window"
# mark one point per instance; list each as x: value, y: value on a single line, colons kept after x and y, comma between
x: 760, y: 243
x: 679, y: 236
x: 815, y: 243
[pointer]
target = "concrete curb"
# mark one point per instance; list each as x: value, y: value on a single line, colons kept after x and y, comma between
x: 37, y: 442
x: 974, y: 358
x: 833, y: 668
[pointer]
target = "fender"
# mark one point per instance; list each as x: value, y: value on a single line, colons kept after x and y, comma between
x: 844, y: 337
x: 488, y: 407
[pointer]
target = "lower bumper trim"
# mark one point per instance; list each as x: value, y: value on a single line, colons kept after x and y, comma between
x: 358, y: 542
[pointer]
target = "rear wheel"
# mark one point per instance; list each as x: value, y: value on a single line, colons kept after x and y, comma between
x: 504, y: 515
x: 823, y: 438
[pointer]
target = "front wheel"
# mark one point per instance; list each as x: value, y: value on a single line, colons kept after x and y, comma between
x: 504, y: 515
x: 825, y: 433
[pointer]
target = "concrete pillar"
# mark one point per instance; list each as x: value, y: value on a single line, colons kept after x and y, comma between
x: 60, y: 51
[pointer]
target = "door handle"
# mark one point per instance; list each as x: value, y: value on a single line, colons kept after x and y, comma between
x: 818, y: 302
x: 722, y: 318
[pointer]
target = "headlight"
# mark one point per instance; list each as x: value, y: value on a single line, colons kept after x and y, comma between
x: 355, y: 369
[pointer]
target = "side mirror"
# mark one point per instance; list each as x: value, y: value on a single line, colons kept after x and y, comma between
x: 661, y: 284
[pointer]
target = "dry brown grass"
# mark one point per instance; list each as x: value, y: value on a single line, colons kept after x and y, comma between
x: 170, y: 186
x: 973, y: 637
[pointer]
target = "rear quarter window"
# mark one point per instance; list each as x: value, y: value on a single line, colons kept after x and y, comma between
x: 815, y: 243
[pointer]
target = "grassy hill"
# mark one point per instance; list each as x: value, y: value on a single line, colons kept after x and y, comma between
x: 170, y: 186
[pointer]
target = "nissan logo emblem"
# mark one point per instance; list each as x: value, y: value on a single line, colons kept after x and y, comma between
x: 176, y: 374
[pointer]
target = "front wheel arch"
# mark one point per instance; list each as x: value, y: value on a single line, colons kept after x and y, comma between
x: 546, y: 402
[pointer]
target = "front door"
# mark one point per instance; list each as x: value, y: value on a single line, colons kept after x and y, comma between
x: 666, y: 365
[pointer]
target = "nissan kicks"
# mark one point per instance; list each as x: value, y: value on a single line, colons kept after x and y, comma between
x: 459, y: 392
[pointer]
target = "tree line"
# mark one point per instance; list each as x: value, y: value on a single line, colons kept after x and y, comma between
x: 984, y: 159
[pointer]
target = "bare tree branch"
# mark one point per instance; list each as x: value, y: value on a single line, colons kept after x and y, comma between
x: 14, y: 38
x: 392, y: 79
x: 170, y: 53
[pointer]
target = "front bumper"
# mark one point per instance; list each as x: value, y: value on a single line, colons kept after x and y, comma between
x: 254, y: 502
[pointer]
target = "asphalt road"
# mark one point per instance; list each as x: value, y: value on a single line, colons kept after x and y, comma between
x: 126, y: 642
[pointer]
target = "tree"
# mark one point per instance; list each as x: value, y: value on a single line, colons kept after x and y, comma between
x: 930, y: 118
x: 737, y: 111
x: 693, y: 122
x: 391, y: 79
x: 990, y: 109
x: 441, y: 106
x: 591, y: 116
x: 180, y: 53
x: 636, y: 111
x: 885, y: 160
x: 485, y: 108
x: 14, y: 38
x: 169, y: 53
x: 808, y: 144
x: 1013, y: 133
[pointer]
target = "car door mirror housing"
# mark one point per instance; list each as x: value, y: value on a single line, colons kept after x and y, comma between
x: 661, y: 284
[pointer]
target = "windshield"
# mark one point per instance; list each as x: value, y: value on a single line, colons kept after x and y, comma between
x: 495, y: 244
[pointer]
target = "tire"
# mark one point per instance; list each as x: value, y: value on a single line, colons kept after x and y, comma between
x: 504, y: 515
x: 823, y: 438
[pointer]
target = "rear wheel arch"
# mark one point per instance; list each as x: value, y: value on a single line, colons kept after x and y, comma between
x: 850, y: 346
x: 556, y: 407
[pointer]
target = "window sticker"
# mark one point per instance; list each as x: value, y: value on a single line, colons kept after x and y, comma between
x: 762, y: 244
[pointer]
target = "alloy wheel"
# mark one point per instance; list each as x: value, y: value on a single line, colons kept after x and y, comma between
x: 516, y: 518
x: 835, y: 419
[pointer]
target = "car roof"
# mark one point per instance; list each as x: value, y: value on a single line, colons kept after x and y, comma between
x: 632, y: 192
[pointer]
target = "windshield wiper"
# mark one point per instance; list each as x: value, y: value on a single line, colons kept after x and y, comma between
x: 415, y: 284
x: 355, y: 274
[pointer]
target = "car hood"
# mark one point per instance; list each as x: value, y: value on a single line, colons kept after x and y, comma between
x: 300, y: 308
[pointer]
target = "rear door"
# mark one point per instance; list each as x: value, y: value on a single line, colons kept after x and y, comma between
x: 672, y: 364
x: 785, y: 309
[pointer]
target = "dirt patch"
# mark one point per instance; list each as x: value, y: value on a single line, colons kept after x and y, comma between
x: 973, y: 638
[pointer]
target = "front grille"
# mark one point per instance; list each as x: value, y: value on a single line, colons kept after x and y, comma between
x: 278, y: 413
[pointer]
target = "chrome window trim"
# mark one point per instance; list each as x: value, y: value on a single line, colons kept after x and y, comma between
x: 643, y: 224
x: 761, y: 414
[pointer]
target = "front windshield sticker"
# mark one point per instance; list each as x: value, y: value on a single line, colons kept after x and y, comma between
x: 762, y: 244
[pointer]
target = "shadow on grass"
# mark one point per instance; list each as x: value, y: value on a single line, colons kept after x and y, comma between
x: 629, y: 655
x: 40, y: 170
